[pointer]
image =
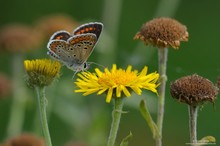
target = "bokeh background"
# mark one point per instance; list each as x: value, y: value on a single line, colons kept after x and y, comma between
x: 78, y: 119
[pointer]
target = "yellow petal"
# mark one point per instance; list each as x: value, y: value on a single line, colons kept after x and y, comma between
x: 109, y: 95
x: 126, y: 92
x: 144, y: 71
x: 118, y: 91
x: 128, y: 70
x: 99, y: 73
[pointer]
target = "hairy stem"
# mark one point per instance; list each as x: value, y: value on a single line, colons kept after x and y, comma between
x: 42, y: 109
x: 193, y: 110
x: 162, y: 56
x: 116, y: 116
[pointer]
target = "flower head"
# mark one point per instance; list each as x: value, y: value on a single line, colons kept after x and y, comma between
x: 193, y: 90
x: 163, y: 33
x: 116, y: 82
x: 52, y: 23
x: 19, y: 38
x: 25, y: 140
x: 41, y: 72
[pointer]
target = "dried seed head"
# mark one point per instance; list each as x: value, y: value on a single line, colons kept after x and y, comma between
x: 25, y: 140
x: 193, y: 90
x: 163, y: 33
x: 19, y: 38
x: 52, y: 23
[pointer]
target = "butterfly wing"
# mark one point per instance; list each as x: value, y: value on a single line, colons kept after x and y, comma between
x: 93, y: 27
x: 74, y: 52
x: 56, y: 49
x: 81, y: 46
x: 60, y: 35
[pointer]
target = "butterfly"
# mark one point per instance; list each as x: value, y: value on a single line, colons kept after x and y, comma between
x: 73, y: 50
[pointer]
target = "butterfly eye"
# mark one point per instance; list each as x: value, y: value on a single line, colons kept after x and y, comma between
x: 85, y: 65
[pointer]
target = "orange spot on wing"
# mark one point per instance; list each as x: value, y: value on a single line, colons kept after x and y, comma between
x: 53, y: 47
x: 59, y: 37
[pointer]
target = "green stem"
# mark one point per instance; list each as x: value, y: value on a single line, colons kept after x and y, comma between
x: 193, y: 110
x: 17, y: 112
x: 111, y: 23
x: 116, y: 116
x: 42, y: 109
x: 162, y: 56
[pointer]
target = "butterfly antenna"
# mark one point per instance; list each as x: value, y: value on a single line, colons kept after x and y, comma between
x: 75, y: 74
x: 96, y: 64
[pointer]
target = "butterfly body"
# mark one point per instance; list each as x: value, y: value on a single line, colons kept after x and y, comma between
x: 74, y: 50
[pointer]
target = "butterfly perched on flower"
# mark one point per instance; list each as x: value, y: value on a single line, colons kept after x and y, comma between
x: 73, y: 50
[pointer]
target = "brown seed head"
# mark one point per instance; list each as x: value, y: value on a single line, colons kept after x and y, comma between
x: 193, y: 90
x: 25, y: 140
x: 19, y: 38
x: 163, y: 33
x: 52, y: 23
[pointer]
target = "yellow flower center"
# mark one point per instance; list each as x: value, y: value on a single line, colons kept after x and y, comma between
x: 118, y: 77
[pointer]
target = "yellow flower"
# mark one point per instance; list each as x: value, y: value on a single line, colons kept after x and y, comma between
x: 41, y: 72
x: 116, y: 82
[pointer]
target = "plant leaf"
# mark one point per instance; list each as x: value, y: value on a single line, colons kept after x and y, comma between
x: 206, y: 140
x: 145, y: 113
x: 126, y: 139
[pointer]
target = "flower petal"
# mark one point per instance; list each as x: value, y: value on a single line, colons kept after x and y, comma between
x: 115, y: 81
x: 109, y: 95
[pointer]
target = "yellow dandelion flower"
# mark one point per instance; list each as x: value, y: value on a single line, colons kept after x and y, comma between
x: 117, y: 82
x: 41, y: 72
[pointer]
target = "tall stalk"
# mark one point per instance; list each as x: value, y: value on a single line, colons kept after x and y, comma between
x: 193, y: 110
x: 162, y: 56
x: 17, y: 112
x: 43, y: 116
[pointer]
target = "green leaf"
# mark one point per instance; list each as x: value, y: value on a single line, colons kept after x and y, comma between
x: 126, y: 139
x: 145, y: 113
x: 206, y: 140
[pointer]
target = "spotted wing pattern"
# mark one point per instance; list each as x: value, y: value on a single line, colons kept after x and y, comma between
x: 94, y: 27
x: 60, y: 35
x: 73, y: 52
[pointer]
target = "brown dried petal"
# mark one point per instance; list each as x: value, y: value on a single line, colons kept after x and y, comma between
x: 193, y: 90
x: 163, y: 33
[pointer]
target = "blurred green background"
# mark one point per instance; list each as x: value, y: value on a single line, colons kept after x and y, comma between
x: 73, y: 117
